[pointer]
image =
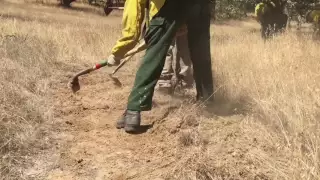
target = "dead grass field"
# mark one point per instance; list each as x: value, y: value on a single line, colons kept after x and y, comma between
x: 265, y: 124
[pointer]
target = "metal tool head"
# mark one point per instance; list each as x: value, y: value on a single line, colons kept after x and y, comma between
x: 74, y: 84
x: 115, y: 80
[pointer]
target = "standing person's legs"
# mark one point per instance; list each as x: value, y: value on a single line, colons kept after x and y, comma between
x: 265, y: 31
x: 183, y: 60
x: 167, y: 68
x: 281, y: 22
x: 199, y: 45
x: 164, y: 82
x: 159, y: 36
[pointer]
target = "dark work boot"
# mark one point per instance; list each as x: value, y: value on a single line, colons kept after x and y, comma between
x: 121, y: 122
x: 132, y: 121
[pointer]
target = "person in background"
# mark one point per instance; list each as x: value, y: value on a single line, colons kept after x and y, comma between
x: 313, y: 17
x: 270, y: 14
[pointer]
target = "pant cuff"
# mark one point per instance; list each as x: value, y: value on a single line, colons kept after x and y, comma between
x: 135, y: 108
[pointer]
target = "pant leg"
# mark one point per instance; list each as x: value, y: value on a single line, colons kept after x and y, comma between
x: 167, y: 69
x: 175, y: 63
x: 199, y: 45
x: 183, y: 59
x: 264, y: 31
x: 281, y: 23
x: 132, y: 19
x: 167, y: 72
x: 160, y: 34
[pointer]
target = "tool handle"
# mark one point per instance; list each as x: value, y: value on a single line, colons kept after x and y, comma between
x: 141, y: 47
x: 86, y: 71
x: 100, y: 65
x: 129, y: 55
x: 121, y: 64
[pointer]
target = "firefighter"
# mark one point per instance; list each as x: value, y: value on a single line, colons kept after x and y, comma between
x: 171, y: 15
x: 313, y: 16
x: 270, y: 14
x: 132, y: 21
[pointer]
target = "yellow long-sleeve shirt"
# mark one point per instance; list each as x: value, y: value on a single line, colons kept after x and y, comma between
x: 132, y: 20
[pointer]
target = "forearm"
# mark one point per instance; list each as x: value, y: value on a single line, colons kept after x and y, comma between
x: 132, y: 21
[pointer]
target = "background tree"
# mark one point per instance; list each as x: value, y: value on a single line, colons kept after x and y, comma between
x: 237, y: 9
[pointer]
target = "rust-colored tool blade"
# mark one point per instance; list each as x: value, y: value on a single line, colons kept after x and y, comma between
x: 74, y: 85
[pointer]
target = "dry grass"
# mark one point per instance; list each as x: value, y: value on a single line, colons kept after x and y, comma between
x: 277, y: 82
x: 24, y: 90
x: 280, y: 80
x: 35, y: 51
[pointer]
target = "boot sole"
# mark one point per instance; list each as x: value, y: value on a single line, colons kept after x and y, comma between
x: 131, y: 129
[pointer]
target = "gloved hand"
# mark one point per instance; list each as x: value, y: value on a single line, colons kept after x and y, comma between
x: 113, y: 61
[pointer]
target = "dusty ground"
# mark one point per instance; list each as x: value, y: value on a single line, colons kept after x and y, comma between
x: 247, y: 136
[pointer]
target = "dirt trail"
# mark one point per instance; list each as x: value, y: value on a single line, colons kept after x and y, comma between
x: 177, y: 144
x: 96, y: 149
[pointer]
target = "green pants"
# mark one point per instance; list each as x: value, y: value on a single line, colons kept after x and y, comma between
x: 158, y: 38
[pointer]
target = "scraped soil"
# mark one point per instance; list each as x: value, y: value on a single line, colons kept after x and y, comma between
x: 178, y: 143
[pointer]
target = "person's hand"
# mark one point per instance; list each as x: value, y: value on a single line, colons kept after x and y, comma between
x: 113, y: 61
